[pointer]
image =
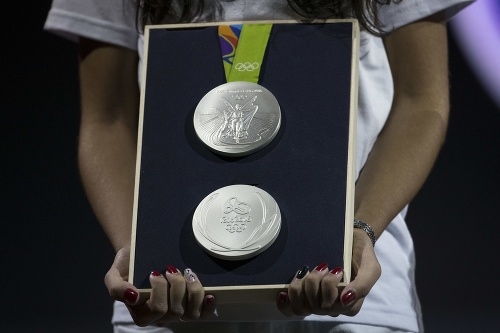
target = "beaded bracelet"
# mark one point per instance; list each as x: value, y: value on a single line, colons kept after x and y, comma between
x: 362, y: 225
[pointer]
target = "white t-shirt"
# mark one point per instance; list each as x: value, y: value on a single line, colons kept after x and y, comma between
x: 393, y: 301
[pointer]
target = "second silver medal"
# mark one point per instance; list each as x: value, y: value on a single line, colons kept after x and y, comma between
x: 237, y: 222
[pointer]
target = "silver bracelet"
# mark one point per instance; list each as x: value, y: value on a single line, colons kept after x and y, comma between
x: 362, y: 225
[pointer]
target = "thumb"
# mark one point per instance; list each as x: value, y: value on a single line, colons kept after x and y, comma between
x: 284, y: 305
x: 367, y: 269
x: 118, y: 288
x: 209, y: 307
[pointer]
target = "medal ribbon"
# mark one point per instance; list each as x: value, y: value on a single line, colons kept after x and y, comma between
x: 243, y: 48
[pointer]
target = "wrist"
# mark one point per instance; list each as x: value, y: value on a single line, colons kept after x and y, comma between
x: 366, y: 228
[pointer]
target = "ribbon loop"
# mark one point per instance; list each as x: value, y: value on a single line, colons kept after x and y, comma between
x: 243, y: 48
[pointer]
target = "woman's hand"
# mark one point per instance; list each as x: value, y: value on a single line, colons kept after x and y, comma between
x: 317, y: 292
x: 174, y: 296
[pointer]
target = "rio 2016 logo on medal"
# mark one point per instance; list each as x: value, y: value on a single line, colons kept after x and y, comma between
x: 236, y: 222
x: 237, y: 118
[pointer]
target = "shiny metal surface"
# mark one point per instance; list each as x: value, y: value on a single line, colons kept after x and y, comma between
x: 236, y: 222
x: 237, y: 118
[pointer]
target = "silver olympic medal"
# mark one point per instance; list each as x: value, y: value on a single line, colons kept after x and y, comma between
x: 237, y: 118
x: 236, y: 222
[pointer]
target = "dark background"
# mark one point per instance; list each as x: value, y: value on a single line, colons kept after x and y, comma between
x: 54, y: 254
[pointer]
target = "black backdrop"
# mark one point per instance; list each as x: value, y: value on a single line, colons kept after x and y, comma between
x: 54, y: 255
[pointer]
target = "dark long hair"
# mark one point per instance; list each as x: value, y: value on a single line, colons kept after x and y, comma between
x: 177, y: 11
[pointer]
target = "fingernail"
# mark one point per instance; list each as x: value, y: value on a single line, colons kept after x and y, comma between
x: 282, y: 297
x: 171, y: 269
x: 337, y: 270
x: 131, y: 296
x: 321, y: 267
x: 348, y: 297
x: 302, y: 272
x: 155, y: 273
x: 189, y: 275
x: 209, y: 300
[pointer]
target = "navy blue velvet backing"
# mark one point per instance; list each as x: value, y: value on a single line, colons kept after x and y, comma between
x: 308, y: 69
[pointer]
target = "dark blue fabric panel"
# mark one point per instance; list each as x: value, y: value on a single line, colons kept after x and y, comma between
x: 308, y: 69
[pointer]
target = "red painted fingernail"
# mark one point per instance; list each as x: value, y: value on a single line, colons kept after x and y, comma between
x: 348, y: 297
x: 155, y: 273
x: 171, y: 269
x: 337, y: 270
x: 282, y: 298
x: 321, y: 267
x: 209, y: 300
x: 130, y: 296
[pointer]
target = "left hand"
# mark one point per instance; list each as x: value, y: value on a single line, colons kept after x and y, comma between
x: 317, y: 291
x: 174, y: 296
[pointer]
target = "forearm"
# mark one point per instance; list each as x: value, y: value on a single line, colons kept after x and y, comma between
x: 107, y: 166
x: 108, y: 135
x: 398, y: 165
x: 408, y: 145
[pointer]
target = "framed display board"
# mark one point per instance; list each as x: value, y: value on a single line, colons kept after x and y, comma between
x: 307, y: 166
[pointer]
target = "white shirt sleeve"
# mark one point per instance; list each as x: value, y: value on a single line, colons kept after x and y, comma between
x: 396, y: 15
x: 111, y: 21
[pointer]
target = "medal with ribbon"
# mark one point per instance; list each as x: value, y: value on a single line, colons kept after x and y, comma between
x: 239, y: 117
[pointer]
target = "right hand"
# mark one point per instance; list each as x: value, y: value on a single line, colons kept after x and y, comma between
x: 173, y: 297
x: 317, y: 291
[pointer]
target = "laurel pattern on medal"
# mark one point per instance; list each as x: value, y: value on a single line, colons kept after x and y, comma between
x: 268, y: 226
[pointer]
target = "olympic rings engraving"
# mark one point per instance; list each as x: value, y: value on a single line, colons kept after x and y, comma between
x: 247, y: 66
